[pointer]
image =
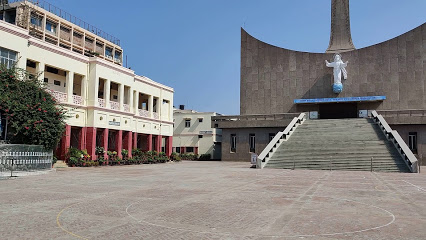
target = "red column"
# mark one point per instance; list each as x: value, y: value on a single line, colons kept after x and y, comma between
x: 169, y: 145
x: 135, y: 140
x: 149, y: 142
x: 66, y: 142
x: 159, y: 142
x: 82, y: 140
x: 127, y: 144
x: 195, y: 150
x: 119, y: 142
x: 91, y: 142
x: 105, y: 142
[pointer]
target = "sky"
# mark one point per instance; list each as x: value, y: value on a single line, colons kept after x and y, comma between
x: 194, y: 45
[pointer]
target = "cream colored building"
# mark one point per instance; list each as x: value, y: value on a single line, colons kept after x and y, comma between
x: 193, y: 133
x: 110, y: 105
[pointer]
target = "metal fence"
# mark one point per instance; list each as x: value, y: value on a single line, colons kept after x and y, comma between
x: 23, y: 158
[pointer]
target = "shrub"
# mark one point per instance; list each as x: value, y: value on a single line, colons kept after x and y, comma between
x: 175, y: 157
x: 189, y: 156
x: 33, y: 115
x: 125, y: 154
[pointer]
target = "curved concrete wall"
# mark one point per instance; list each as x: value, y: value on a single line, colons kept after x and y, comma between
x: 272, y: 77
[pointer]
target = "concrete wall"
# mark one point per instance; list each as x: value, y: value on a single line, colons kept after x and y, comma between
x: 272, y: 77
x: 89, y: 114
x: 188, y: 137
x: 242, y: 152
x: 404, y: 130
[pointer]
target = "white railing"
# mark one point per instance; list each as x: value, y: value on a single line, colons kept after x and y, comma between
x: 156, y: 115
x: 263, y: 158
x: 59, y: 96
x: 126, y: 107
x: 143, y: 113
x: 101, y: 102
x: 114, y: 105
x: 77, y: 100
x: 399, y: 143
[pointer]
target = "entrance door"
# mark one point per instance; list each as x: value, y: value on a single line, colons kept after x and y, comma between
x: 338, y: 110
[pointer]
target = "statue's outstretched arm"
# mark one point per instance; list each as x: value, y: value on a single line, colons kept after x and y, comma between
x: 328, y: 64
x: 345, y: 64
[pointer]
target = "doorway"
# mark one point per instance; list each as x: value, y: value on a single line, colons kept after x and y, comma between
x: 338, y: 110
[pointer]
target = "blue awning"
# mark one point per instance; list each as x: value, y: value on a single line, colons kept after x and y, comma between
x: 337, y: 100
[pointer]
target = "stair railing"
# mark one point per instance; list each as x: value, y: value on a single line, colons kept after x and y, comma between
x: 263, y: 158
x: 392, y: 135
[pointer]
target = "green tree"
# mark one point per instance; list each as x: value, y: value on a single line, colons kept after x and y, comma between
x: 33, y: 115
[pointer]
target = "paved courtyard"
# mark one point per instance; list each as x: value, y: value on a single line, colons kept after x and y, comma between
x: 212, y: 200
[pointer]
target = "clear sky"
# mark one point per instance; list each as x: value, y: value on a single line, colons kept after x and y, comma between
x: 194, y: 45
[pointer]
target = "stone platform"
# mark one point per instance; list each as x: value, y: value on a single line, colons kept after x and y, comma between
x: 212, y: 200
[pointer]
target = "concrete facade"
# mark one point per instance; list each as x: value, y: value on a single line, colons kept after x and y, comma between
x: 243, y: 153
x: 109, y: 105
x: 273, y: 77
x: 199, y: 135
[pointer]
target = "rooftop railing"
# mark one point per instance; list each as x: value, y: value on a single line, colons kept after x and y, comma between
x: 70, y: 18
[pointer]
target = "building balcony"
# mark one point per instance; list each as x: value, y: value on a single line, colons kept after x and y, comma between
x: 101, y: 102
x: 114, y: 105
x: 143, y: 113
x: 60, y: 97
x: 126, y: 107
x: 156, y: 115
x: 78, y: 100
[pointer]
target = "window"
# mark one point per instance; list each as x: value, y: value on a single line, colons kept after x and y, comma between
x: 46, y: 80
x: 117, y: 56
x: 233, y: 142
x: 271, y: 136
x: 252, y: 142
x: 51, y: 27
x: 8, y: 57
x: 412, y: 141
x: 190, y: 149
x: 187, y: 123
x: 52, y: 70
x: 115, y: 97
x: 57, y: 83
x: 36, y: 20
x: 31, y: 64
x: 200, y: 136
x: 108, y: 52
x: 178, y: 150
x: 200, y: 120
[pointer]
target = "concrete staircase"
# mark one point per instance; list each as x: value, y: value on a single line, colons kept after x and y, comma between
x: 338, y: 144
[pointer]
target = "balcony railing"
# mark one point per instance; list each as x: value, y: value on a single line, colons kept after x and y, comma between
x: 114, y: 105
x: 143, y: 113
x: 65, y: 15
x: 126, y: 107
x: 59, y: 96
x: 101, y: 102
x: 156, y: 115
x: 78, y: 100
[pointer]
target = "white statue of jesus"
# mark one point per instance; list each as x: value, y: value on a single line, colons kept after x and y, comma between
x: 339, y: 68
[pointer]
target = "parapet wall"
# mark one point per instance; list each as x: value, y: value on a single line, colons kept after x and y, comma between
x: 272, y: 77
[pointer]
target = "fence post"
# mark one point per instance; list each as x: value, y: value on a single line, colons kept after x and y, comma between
x: 371, y: 163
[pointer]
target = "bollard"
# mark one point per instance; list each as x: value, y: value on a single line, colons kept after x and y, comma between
x: 294, y: 164
x: 371, y: 163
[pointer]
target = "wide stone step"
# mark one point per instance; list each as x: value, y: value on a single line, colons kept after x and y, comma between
x: 323, y: 154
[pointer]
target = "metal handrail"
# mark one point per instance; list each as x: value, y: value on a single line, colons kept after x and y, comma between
x: 392, y: 135
x: 262, y: 159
